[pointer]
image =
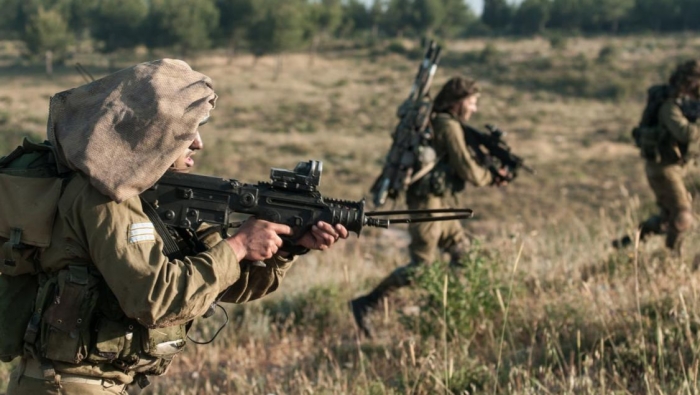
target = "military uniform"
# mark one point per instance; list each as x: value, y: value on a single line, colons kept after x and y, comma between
x: 678, y: 146
x: 457, y: 164
x: 460, y: 165
x: 123, y: 308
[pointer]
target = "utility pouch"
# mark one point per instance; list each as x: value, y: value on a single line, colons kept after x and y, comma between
x: 443, y: 180
x: 438, y: 180
x: 65, y: 329
x: 648, y: 140
x: 17, y: 295
x: 422, y: 187
x: 111, y: 337
x: 164, y: 342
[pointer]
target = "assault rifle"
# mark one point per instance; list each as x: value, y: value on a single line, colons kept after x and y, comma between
x: 493, y: 152
x: 410, y: 138
x: 185, y: 201
x: 691, y: 109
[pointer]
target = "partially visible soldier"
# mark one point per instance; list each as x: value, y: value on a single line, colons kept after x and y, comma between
x: 669, y: 138
x: 455, y: 103
x: 112, y: 307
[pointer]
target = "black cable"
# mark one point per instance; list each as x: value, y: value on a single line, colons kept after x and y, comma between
x: 215, y: 334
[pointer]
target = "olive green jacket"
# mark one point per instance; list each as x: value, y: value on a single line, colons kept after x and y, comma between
x: 119, y: 240
x: 449, y: 144
x: 685, y: 135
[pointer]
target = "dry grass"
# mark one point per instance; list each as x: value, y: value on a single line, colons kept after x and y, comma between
x: 582, y: 319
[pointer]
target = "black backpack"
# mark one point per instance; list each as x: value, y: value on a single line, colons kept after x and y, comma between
x: 647, y: 134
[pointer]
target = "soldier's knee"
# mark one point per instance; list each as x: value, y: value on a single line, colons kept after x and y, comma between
x: 683, y: 221
x: 458, y: 252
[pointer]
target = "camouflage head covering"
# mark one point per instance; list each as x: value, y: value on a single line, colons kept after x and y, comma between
x: 686, y: 78
x: 454, y: 90
x: 123, y: 131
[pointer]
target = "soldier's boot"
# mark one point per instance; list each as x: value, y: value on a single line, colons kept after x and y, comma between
x: 364, y: 304
x: 623, y: 242
x: 652, y: 226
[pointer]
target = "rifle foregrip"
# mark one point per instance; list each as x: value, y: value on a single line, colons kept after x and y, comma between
x: 350, y: 214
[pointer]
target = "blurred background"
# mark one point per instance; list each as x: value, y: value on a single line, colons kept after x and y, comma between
x: 544, y: 306
x: 71, y: 27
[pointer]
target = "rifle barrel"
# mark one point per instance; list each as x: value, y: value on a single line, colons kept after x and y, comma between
x: 529, y: 169
x: 428, y: 219
x: 465, y: 211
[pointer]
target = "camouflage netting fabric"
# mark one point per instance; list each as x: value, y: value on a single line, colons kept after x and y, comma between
x: 123, y: 131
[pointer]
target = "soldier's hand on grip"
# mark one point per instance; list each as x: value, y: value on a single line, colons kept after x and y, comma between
x: 322, y: 236
x: 258, y: 240
x: 502, y: 178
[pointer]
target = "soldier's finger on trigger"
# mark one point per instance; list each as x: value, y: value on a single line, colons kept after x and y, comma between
x: 281, y: 229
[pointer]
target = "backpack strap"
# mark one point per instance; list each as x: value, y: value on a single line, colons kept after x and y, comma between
x: 11, y: 246
x: 170, y: 249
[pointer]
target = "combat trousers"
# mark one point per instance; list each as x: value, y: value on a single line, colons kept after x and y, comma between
x: 675, y: 204
x: 29, y: 380
x: 427, y: 240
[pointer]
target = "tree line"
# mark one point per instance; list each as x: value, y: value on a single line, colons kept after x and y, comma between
x: 592, y: 16
x: 273, y: 26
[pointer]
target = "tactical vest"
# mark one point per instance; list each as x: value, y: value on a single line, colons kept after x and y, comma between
x: 70, y: 315
x: 441, y: 179
x: 654, y: 142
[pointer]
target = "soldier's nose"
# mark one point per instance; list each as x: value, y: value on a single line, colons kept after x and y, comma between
x: 197, y: 143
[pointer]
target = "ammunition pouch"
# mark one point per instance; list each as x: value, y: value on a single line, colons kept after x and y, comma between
x: 128, y: 346
x: 439, y: 181
x: 66, y: 303
x: 79, y: 320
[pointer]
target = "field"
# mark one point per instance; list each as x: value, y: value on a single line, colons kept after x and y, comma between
x: 544, y: 306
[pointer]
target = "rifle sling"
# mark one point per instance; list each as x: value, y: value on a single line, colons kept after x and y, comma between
x: 170, y: 248
x: 424, y: 170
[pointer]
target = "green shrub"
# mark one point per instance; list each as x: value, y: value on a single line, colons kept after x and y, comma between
x: 581, y: 62
x: 490, y: 54
x: 319, y: 308
x: 607, y: 55
x: 558, y: 41
x: 398, y: 47
x: 471, y: 295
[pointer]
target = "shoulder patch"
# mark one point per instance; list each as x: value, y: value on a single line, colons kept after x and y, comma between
x: 141, y: 231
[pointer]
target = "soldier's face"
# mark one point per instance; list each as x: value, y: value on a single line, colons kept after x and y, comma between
x: 467, y: 107
x: 185, y: 162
